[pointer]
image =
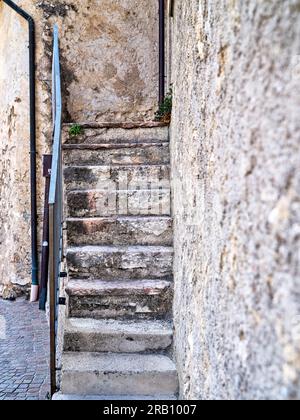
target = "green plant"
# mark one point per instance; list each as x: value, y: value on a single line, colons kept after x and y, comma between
x: 75, y: 130
x: 165, y: 109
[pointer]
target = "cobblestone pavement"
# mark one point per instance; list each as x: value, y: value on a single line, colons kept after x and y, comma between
x: 24, y: 351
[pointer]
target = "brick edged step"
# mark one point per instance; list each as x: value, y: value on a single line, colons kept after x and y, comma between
x: 90, y: 335
x: 118, y: 374
x: 67, y: 397
x: 100, y: 299
x: 155, y: 231
x: 118, y: 177
x: 126, y: 262
x: 103, y: 203
x: 114, y: 134
x: 117, y: 154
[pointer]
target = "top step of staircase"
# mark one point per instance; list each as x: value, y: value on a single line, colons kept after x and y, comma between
x: 110, y: 133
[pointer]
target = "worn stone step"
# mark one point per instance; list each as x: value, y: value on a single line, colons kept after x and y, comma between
x: 114, y: 134
x: 103, y: 203
x: 67, y: 397
x: 118, y: 374
x: 113, y: 262
x: 120, y: 231
x: 123, y: 299
x: 117, y: 177
x: 90, y: 335
x: 117, y: 154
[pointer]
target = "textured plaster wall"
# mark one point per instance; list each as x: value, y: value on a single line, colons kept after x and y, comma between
x: 14, y: 152
x: 15, y: 214
x: 236, y: 184
x: 109, y: 71
x: 109, y: 57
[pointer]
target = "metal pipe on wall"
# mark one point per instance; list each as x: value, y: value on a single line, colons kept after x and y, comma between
x: 161, y: 50
x: 33, y: 187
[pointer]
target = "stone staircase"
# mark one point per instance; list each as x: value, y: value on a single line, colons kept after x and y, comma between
x: 118, y: 332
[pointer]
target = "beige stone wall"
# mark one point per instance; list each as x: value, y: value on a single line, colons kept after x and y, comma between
x: 109, y: 71
x: 14, y: 149
x: 109, y: 57
x: 236, y: 185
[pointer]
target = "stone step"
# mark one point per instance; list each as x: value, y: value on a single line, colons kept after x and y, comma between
x: 67, y: 397
x: 117, y: 177
x: 154, y: 153
x: 90, y: 335
x: 114, y: 134
x: 120, y: 231
x: 99, y: 299
x: 103, y: 203
x: 113, y: 262
x: 118, y: 374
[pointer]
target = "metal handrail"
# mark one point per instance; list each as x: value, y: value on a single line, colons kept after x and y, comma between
x: 55, y: 207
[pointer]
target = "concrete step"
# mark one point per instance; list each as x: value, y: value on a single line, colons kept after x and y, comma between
x: 113, y: 262
x: 155, y: 231
x: 117, y: 177
x: 64, y: 397
x: 154, y: 153
x: 103, y: 203
x: 118, y: 374
x: 90, y: 335
x: 99, y: 299
x: 114, y: 134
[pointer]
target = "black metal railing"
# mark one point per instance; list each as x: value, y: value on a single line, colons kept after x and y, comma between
x: 55, y: 208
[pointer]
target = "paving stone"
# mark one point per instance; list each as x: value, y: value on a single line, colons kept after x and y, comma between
x: 23, y: 386
x: 24, y: 354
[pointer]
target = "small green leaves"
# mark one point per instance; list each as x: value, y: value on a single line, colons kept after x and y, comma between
x: 75, y: 130
x: 165, y: 109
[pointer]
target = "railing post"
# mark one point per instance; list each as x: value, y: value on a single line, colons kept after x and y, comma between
x: 47, y: 162
x: 52, y: 299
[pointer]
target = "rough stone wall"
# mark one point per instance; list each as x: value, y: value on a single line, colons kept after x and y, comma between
x: 109, y: 71
x: 109, y: 57
x: 236, y: 185
x: 14, y: 152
